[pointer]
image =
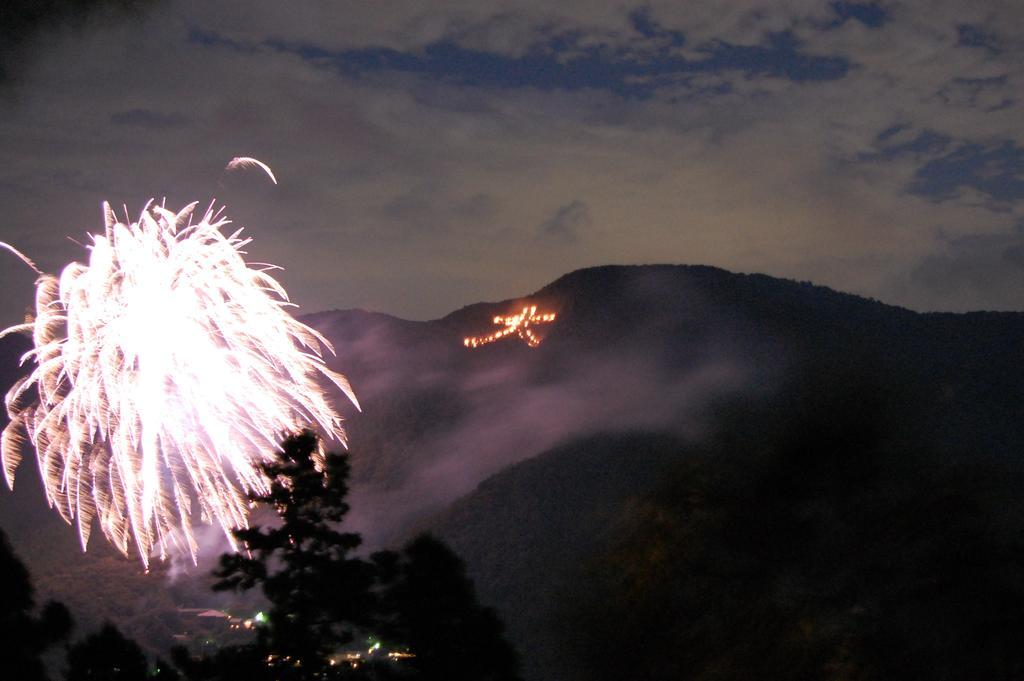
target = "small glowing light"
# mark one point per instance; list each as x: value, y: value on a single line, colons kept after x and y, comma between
x: 518, y: 324
x: 400, y: 655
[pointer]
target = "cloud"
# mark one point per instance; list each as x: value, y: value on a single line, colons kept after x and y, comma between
x: 145, y: 118
x: 23, y: 21
x: 995, y: 171
x: 981, y: 272
x: 418, y: 183
x: 989, y: 174
x: 901, y: 141
x: 870, y: 14
x: 969, y: 35
x: 424, y: 208
x: 989, y: 94
x: 573, y: 60
x: 567, y: 224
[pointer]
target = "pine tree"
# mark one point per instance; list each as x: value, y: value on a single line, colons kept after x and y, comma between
x: 319, y: 593
x: 322, y: 597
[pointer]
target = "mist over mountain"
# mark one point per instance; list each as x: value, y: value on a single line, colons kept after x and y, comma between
x: 548, y: 468
x: 647, y: 348
x: 628, y: 350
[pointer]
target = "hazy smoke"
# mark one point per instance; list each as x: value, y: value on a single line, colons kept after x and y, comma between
x: 439, y: 418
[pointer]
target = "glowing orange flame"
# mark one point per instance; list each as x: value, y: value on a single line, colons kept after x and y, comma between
x: 518, y: 324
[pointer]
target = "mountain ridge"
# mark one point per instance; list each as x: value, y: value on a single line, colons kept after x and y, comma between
x: 637, y: 353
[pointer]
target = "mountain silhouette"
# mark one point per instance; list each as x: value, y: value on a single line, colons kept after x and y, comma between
x: 540, y: 464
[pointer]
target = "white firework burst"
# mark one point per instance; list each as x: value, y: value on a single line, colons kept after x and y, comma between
x: 166, y: 371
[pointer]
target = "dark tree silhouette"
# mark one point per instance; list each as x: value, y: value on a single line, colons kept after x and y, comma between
x: 24, y: 637
x: 323, y: 600
x: 107, y: 656
x: 431, y: 607
x: 230, y: 663
x: 318, y: 593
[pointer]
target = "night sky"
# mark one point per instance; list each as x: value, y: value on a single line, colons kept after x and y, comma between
x: 436, y: 154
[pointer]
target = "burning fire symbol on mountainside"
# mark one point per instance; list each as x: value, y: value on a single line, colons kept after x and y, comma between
x: 518, y: 324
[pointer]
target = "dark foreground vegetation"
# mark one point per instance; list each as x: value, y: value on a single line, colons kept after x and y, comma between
x: 397, y: 615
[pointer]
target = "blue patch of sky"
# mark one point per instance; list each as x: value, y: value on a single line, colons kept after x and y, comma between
x: 971, y: 90
x: 996, y: 171
x: 868, y: 13
x: 969, y: 35
x: 198, y: 36
x: 889, y: 132
x: 644, y: 24
x: 564, y: 63
x: 925, y: 142
x: 993, y: 81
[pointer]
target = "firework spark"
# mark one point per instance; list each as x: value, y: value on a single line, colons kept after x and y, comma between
x: 518, y: 324
x: 247, y: 162
x: 166, y: 370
